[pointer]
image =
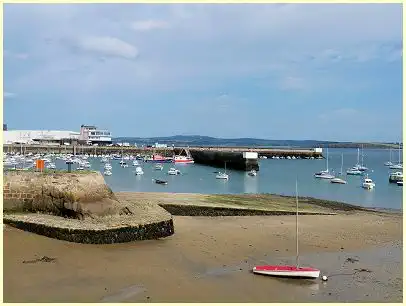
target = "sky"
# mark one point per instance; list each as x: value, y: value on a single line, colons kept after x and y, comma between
x: 272, y: 71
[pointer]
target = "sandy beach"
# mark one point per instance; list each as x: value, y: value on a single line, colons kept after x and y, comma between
x: 209, y: 259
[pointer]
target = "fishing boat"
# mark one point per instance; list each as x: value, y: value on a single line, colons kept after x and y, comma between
x: 158, y: 159
x: 252, y: 173
x: 183, y: 159
x: 139, y: 171
x: 161, y: 182
x: 289, y: 271
x: 173, y: 171
x: 338, y: 180
x: 368, y: 183
x: 221, y: 175
x: 324, y: 174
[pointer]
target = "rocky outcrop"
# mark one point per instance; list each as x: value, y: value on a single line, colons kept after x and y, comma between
x: 71, y: 195
x: 79, y: 207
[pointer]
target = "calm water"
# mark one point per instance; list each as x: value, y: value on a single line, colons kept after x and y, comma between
x: 275, y: 176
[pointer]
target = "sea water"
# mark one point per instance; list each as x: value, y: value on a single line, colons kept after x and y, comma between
x: 275, y: 176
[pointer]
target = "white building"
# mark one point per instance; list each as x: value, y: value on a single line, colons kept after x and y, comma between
x: 29, y: 137
x: 92, y: 135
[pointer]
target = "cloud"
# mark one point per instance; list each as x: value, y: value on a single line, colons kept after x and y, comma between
x: 147, y: 25
x: 8, y: 95
x: 16, y: 55
x: 292, y: 83
x: 108, y: 46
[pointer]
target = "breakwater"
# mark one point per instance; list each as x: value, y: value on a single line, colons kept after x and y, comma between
x: 169, y: 151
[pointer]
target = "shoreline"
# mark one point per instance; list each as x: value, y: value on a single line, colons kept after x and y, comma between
x: 154, y: 219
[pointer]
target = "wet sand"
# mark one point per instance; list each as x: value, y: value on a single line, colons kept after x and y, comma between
x: 209, y: 259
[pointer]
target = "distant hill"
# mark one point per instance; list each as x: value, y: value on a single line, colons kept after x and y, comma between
x: 197, y: 140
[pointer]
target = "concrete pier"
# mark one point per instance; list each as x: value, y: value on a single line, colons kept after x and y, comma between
x: 245, y: 161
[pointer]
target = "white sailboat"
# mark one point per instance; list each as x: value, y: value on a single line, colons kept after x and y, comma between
x: 362, y: 167
x: 399, y: 165
x: 222, y: 176
x: 289, y: 271
x: 356, y: 169
x: 389, y: 163
x: 324, y: 174
x: 338, y: 180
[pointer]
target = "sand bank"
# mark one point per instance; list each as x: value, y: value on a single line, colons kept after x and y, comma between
x: 208, y: 260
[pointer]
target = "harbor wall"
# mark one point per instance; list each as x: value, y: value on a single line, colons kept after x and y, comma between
x: 232, y: 160
x: 169, y: 151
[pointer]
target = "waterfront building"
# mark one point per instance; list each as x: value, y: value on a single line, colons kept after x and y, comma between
x: 92, y: 135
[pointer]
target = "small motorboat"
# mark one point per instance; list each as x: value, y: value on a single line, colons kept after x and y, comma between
x: 159, y: 167
x: 124, y: 165
x: 139, y: 171
x: 287, y: 271
x: 252, y: 173
x: 354, y: 171
x: 397, y: 166
x: 135, y: 163
x: 107, y: 172
x: 161, y: 182
x: 222, y: 176
x: 173, y: 171
x: 368, y: 183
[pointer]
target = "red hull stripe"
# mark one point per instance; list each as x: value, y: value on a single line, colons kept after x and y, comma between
x: 285, y: 268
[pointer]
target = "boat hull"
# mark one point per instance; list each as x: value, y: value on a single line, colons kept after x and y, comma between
x: 338, y: 181
x: 287, y: 271
x: 159, y: 161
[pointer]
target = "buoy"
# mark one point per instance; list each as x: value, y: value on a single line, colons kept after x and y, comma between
x: 324, y: 278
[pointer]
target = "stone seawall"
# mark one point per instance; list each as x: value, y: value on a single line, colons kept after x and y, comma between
x: 79, y: 207
x: 58, y: 193
x: 207, y: 211
x: 92, y: 236
x: 232, y: 160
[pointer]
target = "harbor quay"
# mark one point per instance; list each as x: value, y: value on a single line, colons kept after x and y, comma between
x: 237, y: 158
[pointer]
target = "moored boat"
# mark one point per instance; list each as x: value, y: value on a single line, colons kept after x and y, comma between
x: 368, y: 183
x: 289, y: 271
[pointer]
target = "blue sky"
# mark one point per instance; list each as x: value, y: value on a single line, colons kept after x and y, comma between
x: 293, y: 71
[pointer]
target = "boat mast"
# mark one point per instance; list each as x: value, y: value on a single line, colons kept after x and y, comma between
x: 327, y: 160
x: 297, y: 229
x: 358, y: 157
x: 390, y: 154
x: 342, y: 163
x: 399, y: 153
